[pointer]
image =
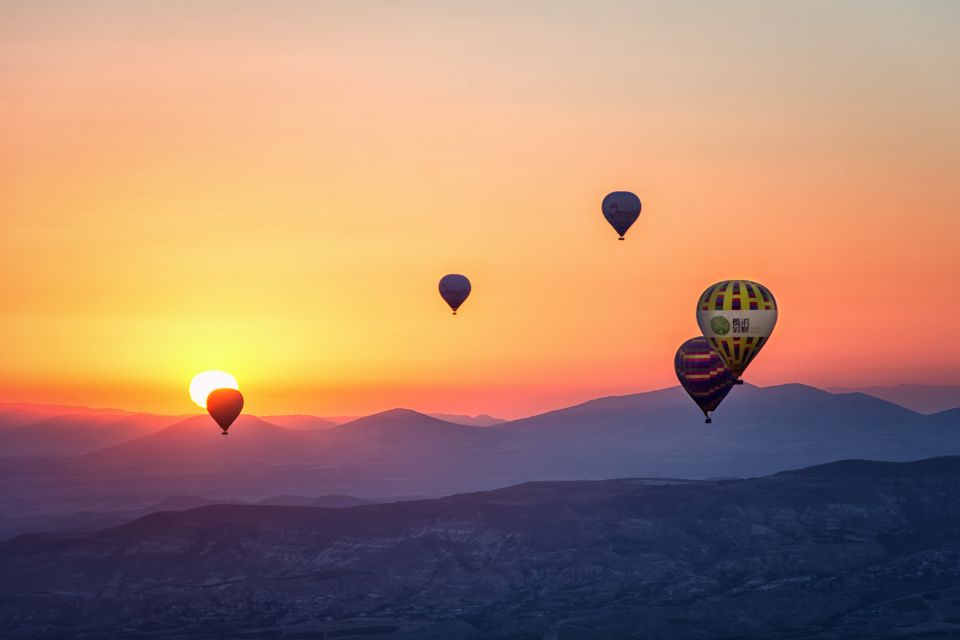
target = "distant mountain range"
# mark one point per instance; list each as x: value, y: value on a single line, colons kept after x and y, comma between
x: 74, y: 434
x: 405, y: 453
x: 482, y: 420
x: 846, y: 550
x: 58, y: 430
x: 306, y: 423
x: 922, y: 398
x: 314, y: 422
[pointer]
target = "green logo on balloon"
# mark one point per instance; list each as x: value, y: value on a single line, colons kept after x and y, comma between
x: 720, y: 325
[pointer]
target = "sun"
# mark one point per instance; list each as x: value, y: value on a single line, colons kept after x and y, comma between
x: 203, y: 383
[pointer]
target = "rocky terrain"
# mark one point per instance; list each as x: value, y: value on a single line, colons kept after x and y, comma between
x: 850, y: 549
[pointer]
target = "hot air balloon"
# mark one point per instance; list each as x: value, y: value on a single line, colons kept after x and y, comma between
x: 703, y: 374
x: 224, y: 405
x: 454, y: 289
x: 737, y: 317
x: 621, y: 209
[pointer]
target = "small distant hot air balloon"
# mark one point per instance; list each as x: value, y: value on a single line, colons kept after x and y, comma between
x: 703, y: 374
x: 454, y: 289
x: 737, y: 317
x: 621, y: 209
x: 224, y: 405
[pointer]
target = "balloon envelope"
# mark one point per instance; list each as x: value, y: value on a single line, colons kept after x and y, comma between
x: 454, y: 289
x: 224, y: 405
x: 737, y: 317
x: 621, y: 209
x: 703, y: 374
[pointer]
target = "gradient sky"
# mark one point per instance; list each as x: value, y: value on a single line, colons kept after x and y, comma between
x: 274, y: 189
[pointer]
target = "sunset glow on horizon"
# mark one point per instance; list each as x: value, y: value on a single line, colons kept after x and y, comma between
x: 275, y: 189
x: 206, y: 382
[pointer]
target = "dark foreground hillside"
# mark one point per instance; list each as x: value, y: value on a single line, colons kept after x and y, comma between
x: 847, y: 550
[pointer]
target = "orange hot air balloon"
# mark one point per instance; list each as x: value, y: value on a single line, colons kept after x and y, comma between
x: 224, y: 405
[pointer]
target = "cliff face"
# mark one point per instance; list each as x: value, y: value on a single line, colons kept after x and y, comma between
x: 847, y: 550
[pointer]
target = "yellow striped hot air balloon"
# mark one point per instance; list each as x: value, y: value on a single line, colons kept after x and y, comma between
x: 737, y: 317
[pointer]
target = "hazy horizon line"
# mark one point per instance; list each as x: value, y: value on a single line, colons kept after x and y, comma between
x: 344, y: 418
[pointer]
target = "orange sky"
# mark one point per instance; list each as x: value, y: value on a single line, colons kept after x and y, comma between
x: 274, y: 189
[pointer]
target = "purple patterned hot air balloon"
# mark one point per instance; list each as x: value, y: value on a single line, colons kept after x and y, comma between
x: 454, y: 289
x: 703, y: 374
x: 621, y: 209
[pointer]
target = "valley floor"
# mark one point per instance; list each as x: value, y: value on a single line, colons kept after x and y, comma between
x: 846, y: 550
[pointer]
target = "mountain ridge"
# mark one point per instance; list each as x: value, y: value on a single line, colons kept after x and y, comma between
x: 401, y: 452
x: 923, y: 398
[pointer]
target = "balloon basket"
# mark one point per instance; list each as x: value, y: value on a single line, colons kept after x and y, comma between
x: 224, y: 433
x: 739, y: 381
x: 708, y: 421
x: 620, y: 238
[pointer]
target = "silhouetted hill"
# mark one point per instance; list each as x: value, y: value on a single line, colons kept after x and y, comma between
x: 923, y: 398
x: 81, y: 521
x: 612, y: 412
x: 394, y: 418
x: 192, y: 442
x: 13, y: 414
x: 482, y: 420
x: 331, y: 501
x: 931, y: 469
x: 403, y: 452
x: 306, y: 423
x: 671, y: 407
x: 846, y: 550
x: 756, y: 431
x: 77, y: 434
x: 401, y: 428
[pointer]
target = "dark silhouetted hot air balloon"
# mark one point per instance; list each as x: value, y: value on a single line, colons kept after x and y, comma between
x: 703, y: 374
x: 454, y: 289
x: 621, y: 209
x: 224, y: 405
x: 737, y: 317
